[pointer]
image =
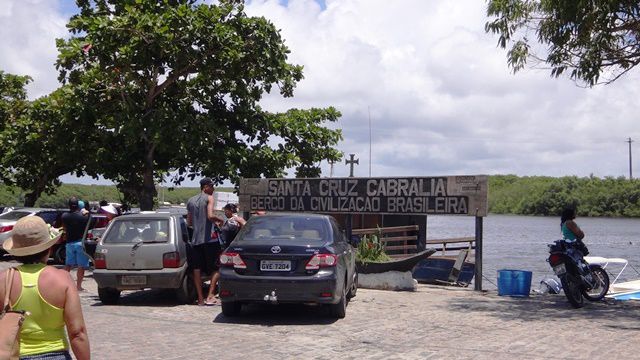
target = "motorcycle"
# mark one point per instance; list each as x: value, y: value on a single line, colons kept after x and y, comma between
x: 579, y: 279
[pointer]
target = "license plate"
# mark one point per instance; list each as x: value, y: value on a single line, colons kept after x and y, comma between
x: 559, y: 269
x: 275, y: 265
x: 133, y: 280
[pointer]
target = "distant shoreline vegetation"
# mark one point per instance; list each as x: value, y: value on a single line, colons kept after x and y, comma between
x: 12, y: 196
x: 508, y: 194
x: 547, y: 196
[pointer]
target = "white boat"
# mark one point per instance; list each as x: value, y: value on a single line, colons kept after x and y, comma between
x: 615, y: 266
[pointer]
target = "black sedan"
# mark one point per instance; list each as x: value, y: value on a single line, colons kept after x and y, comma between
x: 288, y: 258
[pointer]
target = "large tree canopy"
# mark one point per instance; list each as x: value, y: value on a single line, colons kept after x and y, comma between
x: 176, y: 85
x: 594, y: 41
x: 40, y: 140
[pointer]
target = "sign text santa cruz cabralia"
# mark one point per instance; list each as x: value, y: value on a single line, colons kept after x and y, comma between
x: 456, y: 195
x: 440, y: 195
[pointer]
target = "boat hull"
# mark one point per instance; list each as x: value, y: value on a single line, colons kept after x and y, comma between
x: 436, y: 270
x: 402, y: 265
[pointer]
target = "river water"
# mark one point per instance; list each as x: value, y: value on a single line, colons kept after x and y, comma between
x: 520, y: 242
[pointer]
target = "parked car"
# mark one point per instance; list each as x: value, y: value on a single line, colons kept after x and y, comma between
x: 142, y: 251
x: 8, y: 219
x: 288, y: 258
x: 96, y: 226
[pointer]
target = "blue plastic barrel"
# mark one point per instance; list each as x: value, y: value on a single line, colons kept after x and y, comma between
x: 514, y: 282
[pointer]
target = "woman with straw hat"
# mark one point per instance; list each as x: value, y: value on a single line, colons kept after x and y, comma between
x: 47, y: 293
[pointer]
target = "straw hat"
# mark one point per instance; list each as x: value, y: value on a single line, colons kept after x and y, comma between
x: 30, y: 235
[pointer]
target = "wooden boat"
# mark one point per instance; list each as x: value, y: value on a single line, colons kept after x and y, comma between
x: 444, y: 268
x: 397, y: 264
x: 448, y: 267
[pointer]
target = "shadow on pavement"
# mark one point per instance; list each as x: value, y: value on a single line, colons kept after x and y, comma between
x: 281, y: 314
x: 622, y: 314
x: 152, y: 297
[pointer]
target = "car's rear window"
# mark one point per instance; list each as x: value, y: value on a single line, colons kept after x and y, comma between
x: 14, y: 215
x: 49, y: 217
x: 285, y: 228
x: 133, y: 231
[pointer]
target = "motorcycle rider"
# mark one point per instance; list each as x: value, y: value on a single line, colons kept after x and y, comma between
x: 573, y: 235
x: 570, y: 230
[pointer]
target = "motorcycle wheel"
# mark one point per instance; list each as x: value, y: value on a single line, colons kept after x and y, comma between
x: 601, y: 284
x: 572, y: 290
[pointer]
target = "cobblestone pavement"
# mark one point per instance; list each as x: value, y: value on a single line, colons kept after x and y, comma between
x: 431, y: 323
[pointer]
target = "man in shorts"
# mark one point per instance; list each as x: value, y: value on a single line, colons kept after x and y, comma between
x: 74, y: 223
x: 203, y: 251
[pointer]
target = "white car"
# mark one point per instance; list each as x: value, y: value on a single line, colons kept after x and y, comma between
x: 8, y: 219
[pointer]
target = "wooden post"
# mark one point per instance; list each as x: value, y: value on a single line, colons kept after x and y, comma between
x: 421, y: 243
x: 348, y: 226
x: 478, y: 270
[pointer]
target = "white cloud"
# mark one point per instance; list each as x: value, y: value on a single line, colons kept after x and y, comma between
x: 441, y: 97
x: 27, y: 41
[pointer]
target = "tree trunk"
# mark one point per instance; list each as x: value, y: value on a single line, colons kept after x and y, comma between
x: 148, y: 190
x: 31, y: 198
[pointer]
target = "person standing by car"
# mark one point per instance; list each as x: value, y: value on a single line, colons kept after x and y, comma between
x: 227, y: 232
x: 47, y: 293
x: 231, y: 225
x: 202, y: 251
x: 74, y: 224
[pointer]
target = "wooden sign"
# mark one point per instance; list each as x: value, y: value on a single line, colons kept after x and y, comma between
x: 456, y: 195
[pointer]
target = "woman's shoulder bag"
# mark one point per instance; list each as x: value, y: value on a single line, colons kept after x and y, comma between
x: 10, y: 323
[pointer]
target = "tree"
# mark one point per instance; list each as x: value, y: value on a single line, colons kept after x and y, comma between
x: 44, y: 140
x: 175, y: 86
x: 587, y: 38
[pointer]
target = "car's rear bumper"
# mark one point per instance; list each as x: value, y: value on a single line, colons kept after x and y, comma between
x: 168, y: 278
x: 273, y: 289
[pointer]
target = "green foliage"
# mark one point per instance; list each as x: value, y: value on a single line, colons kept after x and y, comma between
x: 13, y: 196
x: 176, y: 85
x: 538, y: 195
x: 371, y: 249
x: 47, y: 140
x: 508, y: 194
x: 586, y: 38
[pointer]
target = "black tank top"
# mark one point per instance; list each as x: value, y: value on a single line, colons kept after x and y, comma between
x: 228, y: 232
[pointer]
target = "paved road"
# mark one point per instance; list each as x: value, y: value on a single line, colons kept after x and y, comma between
x: 432, y: 323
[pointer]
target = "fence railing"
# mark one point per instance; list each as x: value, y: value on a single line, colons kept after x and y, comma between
x: 397, y: 242
x: 400, y: 241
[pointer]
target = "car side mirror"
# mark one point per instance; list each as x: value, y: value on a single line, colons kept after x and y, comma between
x: 355, y: 240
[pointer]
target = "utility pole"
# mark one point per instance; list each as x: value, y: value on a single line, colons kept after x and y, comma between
x: 369, y: 109
x: 630, y: 168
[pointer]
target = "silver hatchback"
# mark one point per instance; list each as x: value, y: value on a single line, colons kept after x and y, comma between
x: 143, y: 251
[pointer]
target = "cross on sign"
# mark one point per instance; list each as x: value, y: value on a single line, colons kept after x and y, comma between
x: 351, y: 162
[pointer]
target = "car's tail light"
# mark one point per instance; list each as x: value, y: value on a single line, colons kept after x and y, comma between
x: 555, y: 259
x: 321, y: 260
x: 6, y: 228
x: 100, y: 261
x: 171, y: 260
x: 232, y: 259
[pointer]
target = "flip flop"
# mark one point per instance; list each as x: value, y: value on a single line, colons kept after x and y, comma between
x: 211, y: 302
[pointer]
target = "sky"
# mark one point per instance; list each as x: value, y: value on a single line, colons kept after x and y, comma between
x: 422, y: 89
